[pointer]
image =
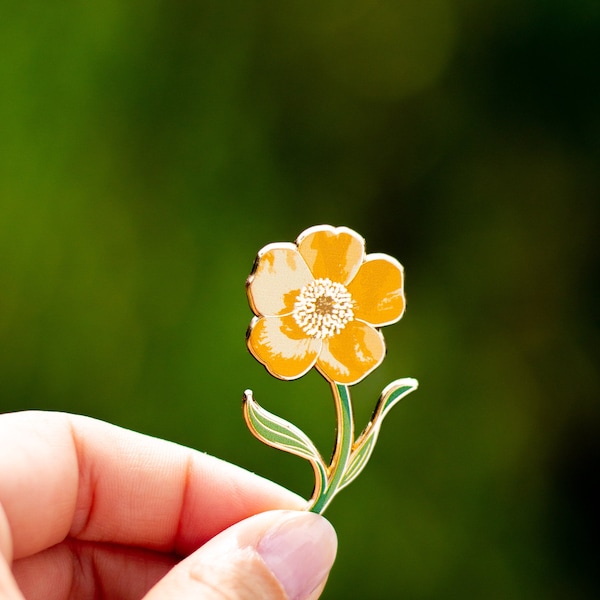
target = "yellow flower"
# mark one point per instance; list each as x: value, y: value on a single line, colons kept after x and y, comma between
x: 319, y: 302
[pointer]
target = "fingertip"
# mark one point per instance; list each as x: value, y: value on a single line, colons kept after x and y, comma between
x: 300, y: 551
x: 276, y: 555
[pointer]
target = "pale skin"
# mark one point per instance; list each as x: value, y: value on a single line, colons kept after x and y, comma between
x: 90, y: 510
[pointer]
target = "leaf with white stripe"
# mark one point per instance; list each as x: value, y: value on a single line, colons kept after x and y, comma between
x: 279, y: 433
x: 365, y: 444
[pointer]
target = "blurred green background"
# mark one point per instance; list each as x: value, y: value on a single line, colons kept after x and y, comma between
x: 149, y: 149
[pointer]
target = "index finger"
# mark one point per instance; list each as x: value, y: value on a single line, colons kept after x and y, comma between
x: 64, y: 476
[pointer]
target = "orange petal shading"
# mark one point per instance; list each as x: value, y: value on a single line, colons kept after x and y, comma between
x: 279, y: 275
x: 331, y: 252
x: 377, y: 290
x: 282, y: 347
x: 352, y: 354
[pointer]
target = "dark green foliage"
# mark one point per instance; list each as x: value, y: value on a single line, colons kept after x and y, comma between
x: 149, y: 149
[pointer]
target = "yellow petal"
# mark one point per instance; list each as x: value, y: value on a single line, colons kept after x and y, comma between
x: 377, y: 290
x: 334, y: 253
x: 282, y: 347
x: 352, y: 354
x: 279, y: 275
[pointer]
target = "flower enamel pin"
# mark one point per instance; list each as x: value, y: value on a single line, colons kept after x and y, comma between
x: 319, y: 302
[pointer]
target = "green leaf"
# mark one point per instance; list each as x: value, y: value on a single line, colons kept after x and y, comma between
x: 393, y: 393
x: 279, y: 433
x: 365, y: 444
x: 359, y: 459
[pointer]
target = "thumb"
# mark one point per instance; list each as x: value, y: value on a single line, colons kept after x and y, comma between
x: 8, y: 586
x: 276, y: 555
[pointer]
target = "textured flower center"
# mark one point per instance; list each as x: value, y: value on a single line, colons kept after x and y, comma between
x: 323, y: 308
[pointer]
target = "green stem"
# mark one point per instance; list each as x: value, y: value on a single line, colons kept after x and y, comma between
x: 343, y: 447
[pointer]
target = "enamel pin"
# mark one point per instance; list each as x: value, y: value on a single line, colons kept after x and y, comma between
x: 320, y: 302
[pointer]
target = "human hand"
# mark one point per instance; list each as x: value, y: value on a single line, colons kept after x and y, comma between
x: 90, y: 510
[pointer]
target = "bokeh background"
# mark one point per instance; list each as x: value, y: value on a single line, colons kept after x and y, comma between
x: 149, y: 149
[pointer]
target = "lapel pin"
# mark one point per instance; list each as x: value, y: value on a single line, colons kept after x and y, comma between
x: 320, y: 303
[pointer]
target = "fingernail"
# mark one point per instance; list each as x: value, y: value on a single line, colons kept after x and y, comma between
x: 300, y: 553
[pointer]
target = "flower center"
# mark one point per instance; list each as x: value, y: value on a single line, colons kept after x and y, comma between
x: 323, y: 308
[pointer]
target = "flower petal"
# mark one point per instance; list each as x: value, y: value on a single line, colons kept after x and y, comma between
x: 282, y: 347
x: 332, y: 252
x: 377, y: 290
x: 352, y: 354
x: 278, y: 276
